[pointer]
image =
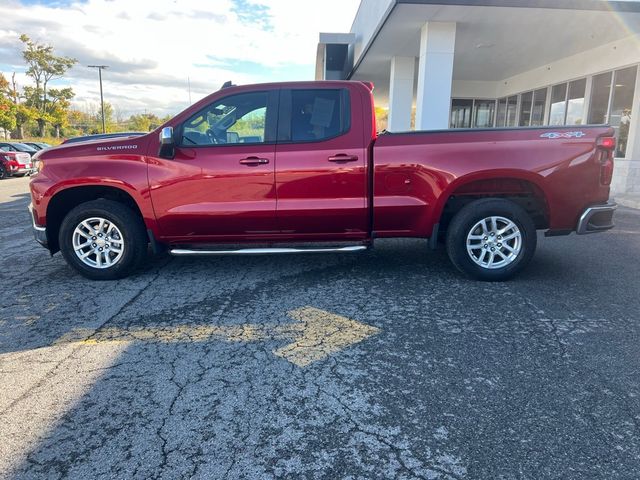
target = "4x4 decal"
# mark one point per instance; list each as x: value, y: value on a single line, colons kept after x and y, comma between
x: 554, y: 135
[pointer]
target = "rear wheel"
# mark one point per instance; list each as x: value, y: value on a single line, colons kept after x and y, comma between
x: 3, y: 172
x: 491, y: 239
x: 103, y: 240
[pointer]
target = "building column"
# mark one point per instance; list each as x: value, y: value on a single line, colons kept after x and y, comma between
x: 401, y: 93
x: 435, y: 75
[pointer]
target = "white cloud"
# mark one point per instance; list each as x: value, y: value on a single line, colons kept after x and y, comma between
x: 153, y: 46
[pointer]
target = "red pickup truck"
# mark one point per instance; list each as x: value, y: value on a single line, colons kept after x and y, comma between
x: 299, y: 167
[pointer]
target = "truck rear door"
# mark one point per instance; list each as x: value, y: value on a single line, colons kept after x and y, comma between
x: 321, y: 170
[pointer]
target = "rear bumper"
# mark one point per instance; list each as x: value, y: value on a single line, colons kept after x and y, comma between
x: 40, y: 233
x: 597, y: 218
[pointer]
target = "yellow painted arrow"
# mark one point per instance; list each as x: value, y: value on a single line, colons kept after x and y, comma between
x: 315, y: 335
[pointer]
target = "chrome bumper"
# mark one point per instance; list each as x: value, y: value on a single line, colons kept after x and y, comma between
x: 597, y: 218
x: 40, y: 233
x: 24, y: 171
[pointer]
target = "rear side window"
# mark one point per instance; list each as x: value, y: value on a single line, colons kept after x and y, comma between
x: 318, y: 114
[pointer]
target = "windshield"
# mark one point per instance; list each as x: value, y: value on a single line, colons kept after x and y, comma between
x: 21, y: 147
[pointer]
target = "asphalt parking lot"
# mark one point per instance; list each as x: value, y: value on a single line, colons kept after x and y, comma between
x: 379, y: 365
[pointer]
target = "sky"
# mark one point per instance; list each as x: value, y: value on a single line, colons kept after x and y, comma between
x: 154, y: 46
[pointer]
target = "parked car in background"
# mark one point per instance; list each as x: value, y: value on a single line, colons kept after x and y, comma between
x: 16, y: 164
x: 102, y: 136
x: 17, y: 147
x: 5, y: 167
x: 37, y: 145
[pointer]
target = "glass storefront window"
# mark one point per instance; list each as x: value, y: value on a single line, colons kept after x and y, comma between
x: 539, y: 104
x: 501, y: 115
x: 461, y: 113
x: 620, y: 115
x: 611, y: 100
x: 512, y: 111
x: 575, y: 102
x: 484, y: 112
x: 526, y: 100
x: 600, y: 92
x: 558, y: 107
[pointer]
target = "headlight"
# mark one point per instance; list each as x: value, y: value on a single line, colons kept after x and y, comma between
x: 37, y: 162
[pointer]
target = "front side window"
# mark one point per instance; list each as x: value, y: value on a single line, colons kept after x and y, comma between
x: 318, y: 114
x: 238, y: 119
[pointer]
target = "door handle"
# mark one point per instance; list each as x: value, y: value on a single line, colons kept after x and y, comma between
x: 254, y: 161
x: 342, y: 158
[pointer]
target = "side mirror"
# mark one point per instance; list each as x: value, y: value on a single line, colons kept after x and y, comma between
x: 167, y: 144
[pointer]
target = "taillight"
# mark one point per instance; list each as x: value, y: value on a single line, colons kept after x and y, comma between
x: 608, y: 143
x: 606, y: 147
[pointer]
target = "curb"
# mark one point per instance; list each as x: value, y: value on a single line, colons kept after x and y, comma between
x: 631, y: 202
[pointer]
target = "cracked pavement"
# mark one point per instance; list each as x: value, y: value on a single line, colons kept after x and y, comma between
x: 534, y: 378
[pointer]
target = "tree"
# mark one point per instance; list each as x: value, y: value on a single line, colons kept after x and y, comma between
x: 5, y: 89
x: 139, y: 123
x: 382, y: 118
x: 7, y: 108
x: 43, y: 66
x: 59, y: 107
x: 24, y: 114
x: 7, y: 115
x: 108, y: 117
x: 145, y: 122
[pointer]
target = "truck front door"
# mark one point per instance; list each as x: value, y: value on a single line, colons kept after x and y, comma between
x: 221, y: 183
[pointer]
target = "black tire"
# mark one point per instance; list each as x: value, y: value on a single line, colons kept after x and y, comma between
x: 130, y: 225
x: 3, y: 172
x: 462, y: 224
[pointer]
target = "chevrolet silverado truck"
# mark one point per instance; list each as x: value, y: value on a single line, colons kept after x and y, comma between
x: 299, y: 167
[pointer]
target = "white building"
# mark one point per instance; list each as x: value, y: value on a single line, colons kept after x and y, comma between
x: 493, y: 63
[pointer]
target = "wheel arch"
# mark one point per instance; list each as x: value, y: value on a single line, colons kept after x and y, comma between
x: 68, y: 198
x: 524, y: 188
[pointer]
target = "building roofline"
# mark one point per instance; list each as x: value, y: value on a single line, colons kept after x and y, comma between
x: 593, y: 5
x: 603, y: 5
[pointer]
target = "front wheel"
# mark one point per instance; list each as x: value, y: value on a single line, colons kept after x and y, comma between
x: 103, y: 240
x: 491, y: 239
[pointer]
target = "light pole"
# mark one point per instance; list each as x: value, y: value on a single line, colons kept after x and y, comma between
x: 100, y: 68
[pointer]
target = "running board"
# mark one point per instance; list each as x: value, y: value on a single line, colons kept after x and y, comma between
x: 182, y: 252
